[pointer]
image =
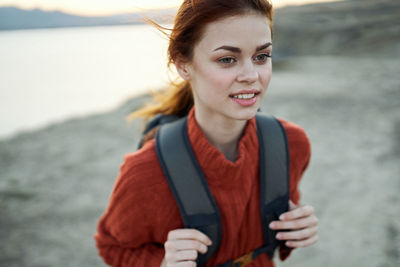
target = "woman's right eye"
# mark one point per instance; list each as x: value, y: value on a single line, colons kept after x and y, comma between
x: 227, y: 60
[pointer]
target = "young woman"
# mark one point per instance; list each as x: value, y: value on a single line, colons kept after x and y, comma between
x: 222, y: 50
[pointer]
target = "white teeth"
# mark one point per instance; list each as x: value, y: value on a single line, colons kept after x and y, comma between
x: 244, y: 96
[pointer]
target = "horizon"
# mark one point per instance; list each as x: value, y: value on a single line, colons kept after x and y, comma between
x: 107, y: 8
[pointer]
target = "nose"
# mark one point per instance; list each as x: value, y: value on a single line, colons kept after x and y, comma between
x: 247, y: 73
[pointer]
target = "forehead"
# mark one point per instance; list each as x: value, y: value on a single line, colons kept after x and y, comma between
x: 242, y: 31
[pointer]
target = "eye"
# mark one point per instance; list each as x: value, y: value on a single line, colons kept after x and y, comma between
x: 262, y: 58
x: 227, y: 60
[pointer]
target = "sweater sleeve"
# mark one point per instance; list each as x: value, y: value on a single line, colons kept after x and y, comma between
x: 299, y: 154
x: 127, y: 233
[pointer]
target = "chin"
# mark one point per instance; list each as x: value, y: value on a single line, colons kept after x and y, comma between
x: 246, y: 114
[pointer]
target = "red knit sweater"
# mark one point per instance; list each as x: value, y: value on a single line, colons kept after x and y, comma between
x: 142, y: 209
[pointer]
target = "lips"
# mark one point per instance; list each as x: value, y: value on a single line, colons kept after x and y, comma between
x: 245, y: 97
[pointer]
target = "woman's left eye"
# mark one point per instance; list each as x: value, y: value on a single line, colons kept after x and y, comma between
x: 261, y: 58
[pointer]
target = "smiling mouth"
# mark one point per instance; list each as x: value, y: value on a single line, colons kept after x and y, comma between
x: 244, y: 96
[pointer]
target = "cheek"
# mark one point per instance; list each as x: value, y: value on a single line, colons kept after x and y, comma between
x: 217, y: 80
x: 265, y: 76
x: 221, y: 79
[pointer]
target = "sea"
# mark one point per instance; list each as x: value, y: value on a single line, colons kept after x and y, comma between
x: 50, y: 75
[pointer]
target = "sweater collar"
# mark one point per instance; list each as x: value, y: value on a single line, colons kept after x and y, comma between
x: 214, y: 161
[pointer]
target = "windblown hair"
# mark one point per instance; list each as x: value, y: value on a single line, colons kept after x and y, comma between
x: 189, y: 25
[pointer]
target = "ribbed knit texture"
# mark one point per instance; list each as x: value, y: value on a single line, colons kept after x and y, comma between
x: 142, y: 209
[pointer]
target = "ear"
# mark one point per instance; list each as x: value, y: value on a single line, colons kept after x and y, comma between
x: 183, y: 67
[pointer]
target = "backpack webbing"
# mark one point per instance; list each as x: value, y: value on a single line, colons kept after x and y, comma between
x: 189, y: 186
x: 274, y: 175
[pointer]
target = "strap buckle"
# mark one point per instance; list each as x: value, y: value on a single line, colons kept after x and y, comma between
x: 243, y: 260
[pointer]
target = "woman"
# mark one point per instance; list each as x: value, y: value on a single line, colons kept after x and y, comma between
x: 222, y: 50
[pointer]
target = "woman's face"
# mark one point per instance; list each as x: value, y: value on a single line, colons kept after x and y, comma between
x: 231, y: 67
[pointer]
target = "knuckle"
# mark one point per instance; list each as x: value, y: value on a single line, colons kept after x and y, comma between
x: 308, y: 231
x: 199, y: 235
x: 196, y: 245
x: 290, y: 225
x: 310, y: 209
x: 302, y: 223
x: 171, y: 234
x: 169, y: 245
x: 169, y: 256
x: 302, y: 234
x: 189, y: 255
x: 193, y: 254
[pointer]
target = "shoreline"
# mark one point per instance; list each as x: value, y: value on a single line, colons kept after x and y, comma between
x: 281, y: 64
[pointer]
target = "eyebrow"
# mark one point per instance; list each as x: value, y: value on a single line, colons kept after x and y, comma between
x: 238, y: 50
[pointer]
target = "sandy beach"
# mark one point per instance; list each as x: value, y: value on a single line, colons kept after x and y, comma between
x: 55, y: 182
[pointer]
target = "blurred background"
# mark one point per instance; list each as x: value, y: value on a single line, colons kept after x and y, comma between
x: 71, y: 71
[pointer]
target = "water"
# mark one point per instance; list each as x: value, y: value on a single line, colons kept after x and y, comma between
x: 49, y: 75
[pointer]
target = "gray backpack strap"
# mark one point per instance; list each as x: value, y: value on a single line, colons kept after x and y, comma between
x: 274, y: 174
x: 158, y: 120
x: 188, y: 183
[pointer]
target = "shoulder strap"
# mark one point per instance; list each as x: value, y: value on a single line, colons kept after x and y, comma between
x: 274, y: 174
x: 156, y: 121
x: 195, y: 201
x: 188, y: 183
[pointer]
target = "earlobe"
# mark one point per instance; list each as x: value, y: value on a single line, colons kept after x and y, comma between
x: 183, y: 69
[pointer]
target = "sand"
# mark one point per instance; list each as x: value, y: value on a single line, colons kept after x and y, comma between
x: 55, y: 182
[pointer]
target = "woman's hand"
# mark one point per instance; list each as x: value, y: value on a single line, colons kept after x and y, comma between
x: 183, y: 246
x: 301, y: 223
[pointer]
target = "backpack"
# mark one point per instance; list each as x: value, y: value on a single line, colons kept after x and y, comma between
x: 189, y: 186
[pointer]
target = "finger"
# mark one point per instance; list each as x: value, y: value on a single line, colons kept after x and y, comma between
x: 298, y: 235
x: 189, y: 234
x: 292, y: 206
x: 296, y: 213
x: 182, y: 264
x: 186, y: 255
x: 177, y: 245
x: 302, y: 243
x: 178, y: 256
x: 294, y: 224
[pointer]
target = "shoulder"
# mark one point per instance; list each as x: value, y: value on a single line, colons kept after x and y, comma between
x: 140, y: 198
x: 141, y: 169
x: 295, y: 133
x: 298, y: 142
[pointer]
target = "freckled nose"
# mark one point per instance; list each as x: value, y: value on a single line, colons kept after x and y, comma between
x: 247, y: 73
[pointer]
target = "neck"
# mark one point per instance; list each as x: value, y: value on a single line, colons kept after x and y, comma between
x: 223, y: 133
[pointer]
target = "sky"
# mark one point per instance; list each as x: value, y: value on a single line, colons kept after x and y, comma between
x: 106, y: 7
